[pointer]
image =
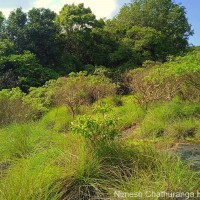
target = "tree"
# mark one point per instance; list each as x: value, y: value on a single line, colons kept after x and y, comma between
x: 164, y: 16
x: 145, y: 41
x: 41, y: 33
x: 77, y: 23
x: 2, y: 26
x: 15, y: 29
x: 29, y: 71
x: 21, y: 70
x: 1, y: 19
x: 77, y: 18
x: 36, y: 32
x: 102, y: 44
x: 8, y: 79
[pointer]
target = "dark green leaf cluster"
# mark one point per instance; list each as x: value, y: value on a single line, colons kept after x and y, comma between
x: 40, y: 45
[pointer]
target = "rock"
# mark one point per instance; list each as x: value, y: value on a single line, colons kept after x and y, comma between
x: 190, y: 153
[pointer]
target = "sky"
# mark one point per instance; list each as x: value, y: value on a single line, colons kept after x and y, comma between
x: 104, y: 8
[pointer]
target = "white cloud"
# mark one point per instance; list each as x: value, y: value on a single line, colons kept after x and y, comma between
x: 6, y: 11
x: 43, y: 3
x: 101, y: 8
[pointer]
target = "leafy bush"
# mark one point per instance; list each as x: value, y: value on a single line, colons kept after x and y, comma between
x: 129, y: 113
x: 80, y: 89
x: 164, y: 82
x: 149, y: 88
x: 13, y: 109
x: 42, y: 97
x: 103, y: 128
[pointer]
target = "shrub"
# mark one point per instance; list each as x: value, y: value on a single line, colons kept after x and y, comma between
x: 129, y: 113
x: 13, y: 109
x: 163, y: 82
x: 42, y: 97
x: 149, y: 87
x: 102, y: 128
x: 80, y: 89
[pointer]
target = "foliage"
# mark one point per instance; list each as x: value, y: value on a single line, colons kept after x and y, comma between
x: 164, y: 16
x: 29, y: 71
x: 163, y: 82
x: 146, y: 42
x: 77, y: 24
x: 2, y: 25
x: 42, y: 97
x: 97, y: 130
x: 21, y: 70
x: 149, y: 90
x: 15, y: 29
x: 76, y: 17
x: 102, y: 45
x: 74, y: 39
x: 79, y: 89
x: 35, y: 31
x: 42, y: 37
x: 13, y: 109
x: 87, y: 142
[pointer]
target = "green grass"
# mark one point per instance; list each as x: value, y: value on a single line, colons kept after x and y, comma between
x: 161, y: 118
x: 31, y: 178
x: 184, y: 128
x: 57, y: 119
x: 72, y: 170
x: 44, y: 161
x: 20, y: 141
x: 126, y: 111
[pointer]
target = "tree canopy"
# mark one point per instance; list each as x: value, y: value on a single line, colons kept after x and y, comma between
x: 53, y: 44
x: 164, y: 16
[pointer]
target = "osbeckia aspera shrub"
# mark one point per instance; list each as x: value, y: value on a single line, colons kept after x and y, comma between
x: 13, y: 109
x: 82, y: 89
x: 163, y: 82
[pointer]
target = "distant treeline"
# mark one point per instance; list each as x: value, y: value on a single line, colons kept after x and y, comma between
x: 41, y: 45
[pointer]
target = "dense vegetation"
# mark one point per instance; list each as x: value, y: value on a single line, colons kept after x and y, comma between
x: 81, y: 140
x: 41, y: 45
x: 90, y: 109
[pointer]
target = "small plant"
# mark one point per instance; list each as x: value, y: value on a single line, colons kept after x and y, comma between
x: 100, y: 129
